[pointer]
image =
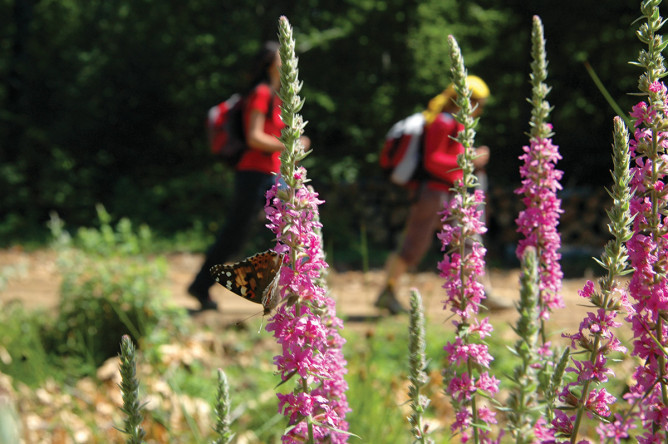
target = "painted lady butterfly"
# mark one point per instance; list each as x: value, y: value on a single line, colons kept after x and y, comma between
x: 254, y: 278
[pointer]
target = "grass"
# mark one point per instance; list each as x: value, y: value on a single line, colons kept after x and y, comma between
x: 187, y: 362
x: 377, y: 374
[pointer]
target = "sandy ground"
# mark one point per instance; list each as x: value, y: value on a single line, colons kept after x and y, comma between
x: 32, y: 278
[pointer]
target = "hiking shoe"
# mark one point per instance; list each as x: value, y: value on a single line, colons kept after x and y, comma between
x: 206, y: 303
x: 388, y: 300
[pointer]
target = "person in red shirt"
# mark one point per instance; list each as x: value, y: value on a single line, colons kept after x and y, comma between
x: 431, y: 188
x: 255, y: 171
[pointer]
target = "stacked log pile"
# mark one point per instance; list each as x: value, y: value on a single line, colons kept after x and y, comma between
x: 383, y: 209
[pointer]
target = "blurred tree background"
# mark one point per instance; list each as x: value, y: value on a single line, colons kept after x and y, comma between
x: 104, y: 101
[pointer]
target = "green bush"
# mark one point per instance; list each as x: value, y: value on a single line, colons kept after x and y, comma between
x: 109, y: 289
x: 23, y: 356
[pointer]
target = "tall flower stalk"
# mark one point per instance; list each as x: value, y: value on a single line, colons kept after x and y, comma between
x: 596, y: 339
x: 305, y: 324
x: 130, y: 393
x: 223, y: 420
x: 523, y: 400
x: 648, y: 246
x: 540, y: 183
x: 538, y: 224
x: 466, y: 376
x: 417, y: 373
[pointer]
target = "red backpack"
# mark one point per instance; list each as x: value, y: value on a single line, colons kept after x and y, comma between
x: 401, y: 155
x: 225, y: 130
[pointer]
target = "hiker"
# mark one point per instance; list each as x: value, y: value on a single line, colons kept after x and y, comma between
x: 430, y: 184
x: 254, y: 173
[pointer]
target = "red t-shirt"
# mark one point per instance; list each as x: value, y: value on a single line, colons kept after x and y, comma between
x: 440, y: 152
x: 260, y: 99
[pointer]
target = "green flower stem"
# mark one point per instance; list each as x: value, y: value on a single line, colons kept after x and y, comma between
x: 417, y: 375
x: 614, y: 258
x: 469, y: 180
x: 223, y: 420
x: 294, y: 150
x: 540, y: 111
x: 130, y: 392
x: 522, y: 398
x: 540, y: 108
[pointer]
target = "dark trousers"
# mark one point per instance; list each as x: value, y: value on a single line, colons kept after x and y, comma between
x: 242, y: 219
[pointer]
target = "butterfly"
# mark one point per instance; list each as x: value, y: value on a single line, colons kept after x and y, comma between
x: 254, y: 278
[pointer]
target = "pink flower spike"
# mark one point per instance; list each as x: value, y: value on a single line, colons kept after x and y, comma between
x: 648, y: 255
x: 462, y: 268
x: 304, y: 324
x: 538, y: 221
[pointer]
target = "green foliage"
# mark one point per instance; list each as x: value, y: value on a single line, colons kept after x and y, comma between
x: 109, y: 289
x: 475, y: 23
x: 88, y: 115
x: 21, y: 341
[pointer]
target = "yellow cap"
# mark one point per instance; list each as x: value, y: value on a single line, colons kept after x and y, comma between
x: 479, y: 91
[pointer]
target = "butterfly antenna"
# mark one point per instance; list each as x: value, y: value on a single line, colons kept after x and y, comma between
x: 238, y: 323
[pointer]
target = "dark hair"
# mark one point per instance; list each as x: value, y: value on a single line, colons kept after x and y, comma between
x: 260, y: 66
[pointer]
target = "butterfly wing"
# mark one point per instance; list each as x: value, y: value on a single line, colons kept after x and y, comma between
x: 271, y: 295
x: 267, y: 266
x: 254, y: 278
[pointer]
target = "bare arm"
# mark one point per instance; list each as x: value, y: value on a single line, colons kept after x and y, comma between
x: 257, y: 138
x: 481, y: 157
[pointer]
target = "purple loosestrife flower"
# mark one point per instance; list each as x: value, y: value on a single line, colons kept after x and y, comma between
x: 538, y: 222
x: 540, y: 183
x: 563, y: 424
x: 641, y: 207
x: 598, y: 402
x: 305, y: 325
x: 595, y: 338
x: 648, y: 247
x: 462, y: 266
x: 540, y: 282
x: 619, y: 428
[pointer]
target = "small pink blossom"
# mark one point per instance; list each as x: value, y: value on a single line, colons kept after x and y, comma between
x: 587, y: 290
x: 545, y: 350
x: 642, y: 114
x: 488, y: 383
x: 599, y: 401
x: 542, y: 431
x: 616, y: 430
x: 657, y: 87
x: 460, y: 352
x: 461, y: 388
x: 483, y: 328
x: 563, y: 423
x: 462, y: 420
x: 486, y: 415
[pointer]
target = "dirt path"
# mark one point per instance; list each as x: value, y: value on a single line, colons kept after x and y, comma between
x: 32, y: 278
